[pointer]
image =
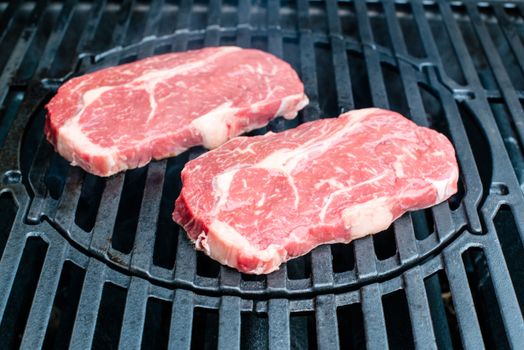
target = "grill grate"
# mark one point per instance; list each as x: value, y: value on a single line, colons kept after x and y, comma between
x: 457, y: 67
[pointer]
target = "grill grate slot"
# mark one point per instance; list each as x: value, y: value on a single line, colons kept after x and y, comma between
x: 156, y: 328
x: 18, y: 305
x: 64, y: 307
x: 127, y: 218
x: 350, y: 318
x: 303, y: 334
x: 511, y: 244
x: 109, y: 318
x: 484, y: 299
x: 398, y: 323
x: 205, y: 324
x: 8, y: 209
x: 462, y: 79
x: 443, y: 316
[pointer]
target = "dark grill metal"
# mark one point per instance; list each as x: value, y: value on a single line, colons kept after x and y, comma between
x: 98, y: 262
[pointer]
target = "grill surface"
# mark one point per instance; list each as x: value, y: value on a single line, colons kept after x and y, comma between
x: 90, y: 261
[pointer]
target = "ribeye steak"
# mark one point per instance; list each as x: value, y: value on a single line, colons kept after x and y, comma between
x: 121, y: 117
x: 256, y: 202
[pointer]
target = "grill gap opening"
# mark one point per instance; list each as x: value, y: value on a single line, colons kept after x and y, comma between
x: 409, y: 27
x: 513, y: 143
x: 110, y: 316
x: 484, y: 298
x: 254, y: 331
x: 199, y: 13
x: 55, y: 176
x: 167, y: 231
x: 258, y: 42
x: 132, y: 57
x: 343, y: 257
x: 303, y: 333
x: 129, y: 209
x: 65, y: 56
x: 379, y: 26
x: 445, y: 49
x: 89, y: 201
x: 327, y: 91
x: 137, y: 24
x: 351, y: 327
x: 434, y: 114
x: 253, y: 278
x: 103, y: 38
x: 509, y: 60
x: 398, y: 323
x: 508, y: 234
x: 195, y: 44
x: 385, y: 244
x: 348, y: 20
x: 479, y: 146
x: 8, y: 113
x: 30, y: 140
x: 206, y: 266
x: 205, y: 328
x: 443, y: 314
x: 476, y: 52
x: 21, y: 297
x: 156, y: 326
x: 359, y: 80
x: 163, y: 49
x: 168, y: 19
x: 8, y: 209
x: 317, y: 18
x: 516, y: 18
x: 423, y: 223
x: 60, y: 325
x: 395, y: 89
x: 299, y: 268
x: 229, y: 14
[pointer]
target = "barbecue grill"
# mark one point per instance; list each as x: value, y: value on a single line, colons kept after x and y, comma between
x: 94, y: 262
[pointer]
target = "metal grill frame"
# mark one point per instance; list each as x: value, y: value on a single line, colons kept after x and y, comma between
x: 470, y: 225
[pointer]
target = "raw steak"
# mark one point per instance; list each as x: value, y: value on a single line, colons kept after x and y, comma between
x: 121, y: 117
x: 256, y: 202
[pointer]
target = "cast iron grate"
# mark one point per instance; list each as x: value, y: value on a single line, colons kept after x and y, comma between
x: 457, y: 67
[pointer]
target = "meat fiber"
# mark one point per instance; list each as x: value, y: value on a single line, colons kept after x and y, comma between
x: 122, y: 117
x: 256, y: 202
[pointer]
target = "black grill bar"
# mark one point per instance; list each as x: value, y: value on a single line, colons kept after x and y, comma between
x: 465, y: 310
x: 41, y: 309
x: 244, y: 16
x: 9, y: 263
x: 307, y: 62
x: 42, y: 30
x: 501, y: 76
x: 374, y: 321
x: 419, y: 312
x: 105, y: 219
x: 229, y: 323
x: 340, y: 62
x: 134, y: 315
x: 506, y: 297
x: 181, y: 320
x: 279, y: 335
x: 124, y: 18
x: 67, y: 205
x: 86, y: 316
x: 466, y: 161
x: 148, y: 218
x: 326, y: 314
x: 153, y: 18
x: 56, y: 37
